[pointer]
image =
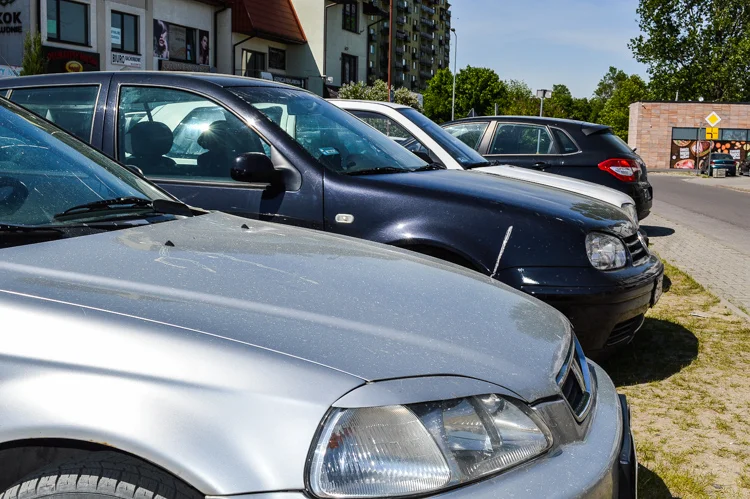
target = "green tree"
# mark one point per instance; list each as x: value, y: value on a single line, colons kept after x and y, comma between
x: 378, y: 91
x: 479, y: 89
x: 520, y: 100
x: 609, y: 83
x: 616, y: 112
x: 33, y: 58
x: 697, y: 48
x: 438, y: 96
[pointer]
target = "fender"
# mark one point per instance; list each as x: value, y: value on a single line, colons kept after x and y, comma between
x: 195, y: 404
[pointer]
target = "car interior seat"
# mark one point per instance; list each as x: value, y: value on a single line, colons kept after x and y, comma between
x: 149, y: 142
x: 223, y: 143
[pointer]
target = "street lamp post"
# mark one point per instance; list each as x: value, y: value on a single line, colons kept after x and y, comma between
x: 543, y: 94
x: 455, y: 64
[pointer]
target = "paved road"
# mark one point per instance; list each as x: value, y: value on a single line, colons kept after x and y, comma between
x: 704, y: 229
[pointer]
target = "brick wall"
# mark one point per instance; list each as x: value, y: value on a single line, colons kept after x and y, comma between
x: 651, y: 124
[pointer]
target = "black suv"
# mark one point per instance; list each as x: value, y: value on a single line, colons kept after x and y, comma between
x: 577, y: 149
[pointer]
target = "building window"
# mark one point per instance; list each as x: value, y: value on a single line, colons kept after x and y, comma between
x: 254, y: 62
x: 351, y: 16
x: 684, y: 133
x: 276, y: 58
x: 733, y: 134
x: 124, y: 33
x: 68, y: 22
x: 348, y: 68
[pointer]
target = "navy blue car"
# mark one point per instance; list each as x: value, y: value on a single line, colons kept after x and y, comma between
x: 274, y: 152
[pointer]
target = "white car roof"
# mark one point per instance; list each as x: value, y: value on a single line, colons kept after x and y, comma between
x: 362, y: 104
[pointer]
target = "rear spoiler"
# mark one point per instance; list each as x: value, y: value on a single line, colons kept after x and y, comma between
x: 592, y: 129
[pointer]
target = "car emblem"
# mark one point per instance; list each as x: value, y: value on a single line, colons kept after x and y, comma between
x: 643, y: 243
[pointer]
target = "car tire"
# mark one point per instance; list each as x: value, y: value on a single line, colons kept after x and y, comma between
x: 101, y: 475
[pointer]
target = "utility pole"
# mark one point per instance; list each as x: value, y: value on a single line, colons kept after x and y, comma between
x: 455, y: 65
x: 390, y: 49
x: 543, y: 94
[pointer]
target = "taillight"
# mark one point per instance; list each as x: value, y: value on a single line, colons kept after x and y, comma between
x: 623, y: 169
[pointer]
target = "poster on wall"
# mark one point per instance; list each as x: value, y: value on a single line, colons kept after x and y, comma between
x: 204, y: 50
x: 161, y: 39
x: 685, y: 153
x: 178, y: 48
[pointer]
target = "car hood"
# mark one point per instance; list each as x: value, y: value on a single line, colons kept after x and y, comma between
x: 362, y: 308
x: 521, y: 196
x: 596, y: 191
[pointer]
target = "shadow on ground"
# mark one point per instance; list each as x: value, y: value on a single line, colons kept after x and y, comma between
x: 660, y: 349
x: 656, y: 231
x: 651, y: 486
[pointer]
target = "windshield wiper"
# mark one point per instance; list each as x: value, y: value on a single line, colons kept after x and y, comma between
x: 431, y: 166
x: 29, y: 228
x: 157, y: 205
x: 379, y: 169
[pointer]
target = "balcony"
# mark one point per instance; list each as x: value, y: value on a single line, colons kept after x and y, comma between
x: 402, y: 5
x: 425, y: 74
x: 427, y: 9
x: 372, y: 36
x: 400, y: 50
x: 402, y: 35
x: 374, y: 8
x: 401, y: 20
x: 426, y: 36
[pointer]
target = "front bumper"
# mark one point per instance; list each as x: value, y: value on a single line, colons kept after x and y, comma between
x: 590, y: 467
x: 605, y: 308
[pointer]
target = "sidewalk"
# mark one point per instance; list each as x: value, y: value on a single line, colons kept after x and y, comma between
x: 737, y: 183
x: 722, y: 269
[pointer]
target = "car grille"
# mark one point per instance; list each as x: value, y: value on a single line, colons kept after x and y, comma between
x: 574, y: 381
x: 638, y: 250
x: 625, y: 330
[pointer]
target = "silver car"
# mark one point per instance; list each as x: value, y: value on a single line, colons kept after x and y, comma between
x: 151, y: 349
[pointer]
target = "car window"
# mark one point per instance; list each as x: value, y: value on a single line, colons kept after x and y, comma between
x: 176, y: 134
x: 384, y: 125
x: 521, y: 139
x: 721, y: 156
x: 336, y: 139
x: 567, y: 146
x: 71, y: 108
x: 468, y: 133
x: 44, y: 172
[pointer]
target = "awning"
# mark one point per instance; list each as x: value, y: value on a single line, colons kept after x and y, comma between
x: 271, y: 20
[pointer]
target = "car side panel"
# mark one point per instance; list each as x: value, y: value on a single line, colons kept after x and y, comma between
x: 195, y: 404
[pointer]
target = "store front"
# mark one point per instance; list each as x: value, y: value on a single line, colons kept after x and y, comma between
x: 182, y: 36
x: 673, y: 135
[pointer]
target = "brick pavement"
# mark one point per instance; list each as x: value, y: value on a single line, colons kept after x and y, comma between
x: 715, y: 265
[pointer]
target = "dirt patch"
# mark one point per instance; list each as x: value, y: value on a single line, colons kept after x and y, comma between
x: 687, y: 377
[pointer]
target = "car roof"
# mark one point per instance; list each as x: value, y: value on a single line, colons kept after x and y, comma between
x: 585, y: 126
x: 222, y: 80
x: 392, y: 105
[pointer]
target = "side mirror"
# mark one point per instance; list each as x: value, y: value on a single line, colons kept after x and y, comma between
x: 424, y: 156
x: 255, y: 167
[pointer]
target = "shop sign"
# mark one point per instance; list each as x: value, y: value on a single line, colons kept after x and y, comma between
x: 290, y: 80
x: 129, y: 60
x: 115, y: 36
x: 165, y: 65
x: 8, y: 71
x: 15, y: 20
x: 69, y: 61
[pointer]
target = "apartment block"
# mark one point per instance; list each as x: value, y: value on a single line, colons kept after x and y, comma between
x: 421, y: 40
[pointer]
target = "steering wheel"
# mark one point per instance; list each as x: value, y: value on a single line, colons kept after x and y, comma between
x: 13, y: 194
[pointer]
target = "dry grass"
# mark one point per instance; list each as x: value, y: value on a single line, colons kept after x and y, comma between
x: 687, y: 377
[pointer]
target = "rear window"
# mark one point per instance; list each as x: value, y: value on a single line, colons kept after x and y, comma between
x: 721, y: 156
x: 615, y: 143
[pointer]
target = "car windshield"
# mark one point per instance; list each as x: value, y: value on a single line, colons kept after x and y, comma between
x: 465, y: 155
x: 45, y: 172
x: 335, y: 138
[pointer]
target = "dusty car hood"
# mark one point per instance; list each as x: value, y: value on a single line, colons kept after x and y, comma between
x: 596, y: 191
x: 352, y: 305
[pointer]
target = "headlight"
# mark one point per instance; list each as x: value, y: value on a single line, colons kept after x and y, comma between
x: 605, y: 252
x: 403, y: 450
x: 631, y: 212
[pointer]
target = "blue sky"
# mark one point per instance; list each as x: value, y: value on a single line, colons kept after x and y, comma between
x: 544, y: 42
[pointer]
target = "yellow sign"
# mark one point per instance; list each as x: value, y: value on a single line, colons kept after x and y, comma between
x: 712, y: 133
x: 713, y: 119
